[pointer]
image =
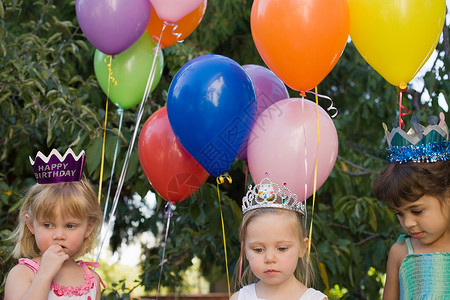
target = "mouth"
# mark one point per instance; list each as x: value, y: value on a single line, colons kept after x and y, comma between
x: 271, y: 272
x: 416, y: 235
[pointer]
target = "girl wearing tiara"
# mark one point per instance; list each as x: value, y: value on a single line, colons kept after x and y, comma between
x: 416, y: 185
x: 274, y: 243
x: 58, y: 222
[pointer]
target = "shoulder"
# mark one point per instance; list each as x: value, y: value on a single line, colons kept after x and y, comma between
x: 21, y: 271
x: 19, y: 278
x: 313, y: 294
x: 99, y: 283
x: 246, y: 292
x: 398, y: 252
x: 89, y: 267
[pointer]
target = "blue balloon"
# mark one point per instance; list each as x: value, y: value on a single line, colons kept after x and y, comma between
x: 212, y: 107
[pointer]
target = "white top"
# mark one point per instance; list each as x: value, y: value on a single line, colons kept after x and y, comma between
x: 248, y: 292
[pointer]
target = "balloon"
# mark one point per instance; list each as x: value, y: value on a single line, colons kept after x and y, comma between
x: 211, y: 106
x: 112, y: 26
x: 170, y: 169
x: 131, y: 70
x: 173, y: 10
x: 184, y: 27
x: 300, y: 40
x: 380, y: 31
x: 269, y: 89
x: 284, y: 144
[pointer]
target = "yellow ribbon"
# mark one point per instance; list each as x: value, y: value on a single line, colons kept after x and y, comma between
x: 110, y: 72
x: 315, y: 175
x: 114, y: 83
x: 220, y: 180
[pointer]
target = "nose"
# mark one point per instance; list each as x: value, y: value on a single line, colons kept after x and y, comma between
x: 409, y: 221
x: 270, y: 257
x: 58, y: 234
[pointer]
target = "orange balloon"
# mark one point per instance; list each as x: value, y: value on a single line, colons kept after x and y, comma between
x: 300, y: 40
x: 184, y: 27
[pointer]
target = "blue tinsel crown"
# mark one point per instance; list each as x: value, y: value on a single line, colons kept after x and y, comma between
x: 419, y: 144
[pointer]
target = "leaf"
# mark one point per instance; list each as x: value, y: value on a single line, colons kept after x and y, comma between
x: 93, y: 155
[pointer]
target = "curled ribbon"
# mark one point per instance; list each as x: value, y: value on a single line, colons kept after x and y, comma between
x: 220, y: 180
x: 331, y: 107
x: 175, y: 33
x: 401, y: 123
x: 108, y: 65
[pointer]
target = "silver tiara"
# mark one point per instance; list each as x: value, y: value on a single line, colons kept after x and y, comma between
x: 269, y: 194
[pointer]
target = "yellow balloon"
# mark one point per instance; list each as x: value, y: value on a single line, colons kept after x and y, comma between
x: 396, y: 37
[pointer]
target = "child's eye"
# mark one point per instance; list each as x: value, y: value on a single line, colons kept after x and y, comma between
x: 47, y: 225
x: 258, y: 250
x: 70, y: 226
x: 282, y: 249
x: 416, y: 212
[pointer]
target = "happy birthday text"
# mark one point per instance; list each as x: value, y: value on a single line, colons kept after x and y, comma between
x: 54, y: 170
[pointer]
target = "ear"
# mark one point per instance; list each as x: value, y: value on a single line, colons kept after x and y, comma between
x: 90, y: 228
x: 303, y: 248
x: 29, y: 223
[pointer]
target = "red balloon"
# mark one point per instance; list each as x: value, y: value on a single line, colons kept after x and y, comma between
x: 170, y: 169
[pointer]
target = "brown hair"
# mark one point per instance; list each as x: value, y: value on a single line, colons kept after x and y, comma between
x: 76, y: 199
x: 304, y: 268
x: 407, y: 182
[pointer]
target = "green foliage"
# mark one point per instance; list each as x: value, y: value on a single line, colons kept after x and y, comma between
x: 49, y: 98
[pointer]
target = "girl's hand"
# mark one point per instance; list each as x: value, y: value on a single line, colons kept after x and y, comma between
x: 52, y: 260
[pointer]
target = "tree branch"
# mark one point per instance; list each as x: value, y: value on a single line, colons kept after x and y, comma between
x: 371, y: 235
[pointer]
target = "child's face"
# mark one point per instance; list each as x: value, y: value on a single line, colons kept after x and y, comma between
x: 426, y: 220
x: 68, y: 232
x: 272, y: 248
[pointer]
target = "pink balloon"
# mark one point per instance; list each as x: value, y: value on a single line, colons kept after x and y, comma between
x: 112, y: 26
x: 173, y: 10
x: 283, y: 142
x: 269, y: 89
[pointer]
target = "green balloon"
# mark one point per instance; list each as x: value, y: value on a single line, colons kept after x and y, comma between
x: 130, y: 71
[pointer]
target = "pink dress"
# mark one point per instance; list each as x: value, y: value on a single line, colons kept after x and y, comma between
x: 87, y: 291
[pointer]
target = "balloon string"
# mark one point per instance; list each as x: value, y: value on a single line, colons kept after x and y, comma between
x: 401, y: 123
x: 120, y: 112
x: 131, y: 145
x: 110, y: 78
x: 169, y: 213
x: 331, y: 107
x: 220, y: 180
x: 103, y: 152
x: 315, y: 176
x: 306, y: 154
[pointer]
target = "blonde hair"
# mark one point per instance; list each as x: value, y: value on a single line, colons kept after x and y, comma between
x: 303, y: 272
x: 74, y: 199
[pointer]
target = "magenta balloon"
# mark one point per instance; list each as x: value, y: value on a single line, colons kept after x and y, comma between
x: 283, y: 142
x: 269, y: 89
x: 112, y: 26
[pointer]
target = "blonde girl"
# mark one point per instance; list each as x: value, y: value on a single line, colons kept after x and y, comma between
x: 274, y: 246
x: 58, y: 222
